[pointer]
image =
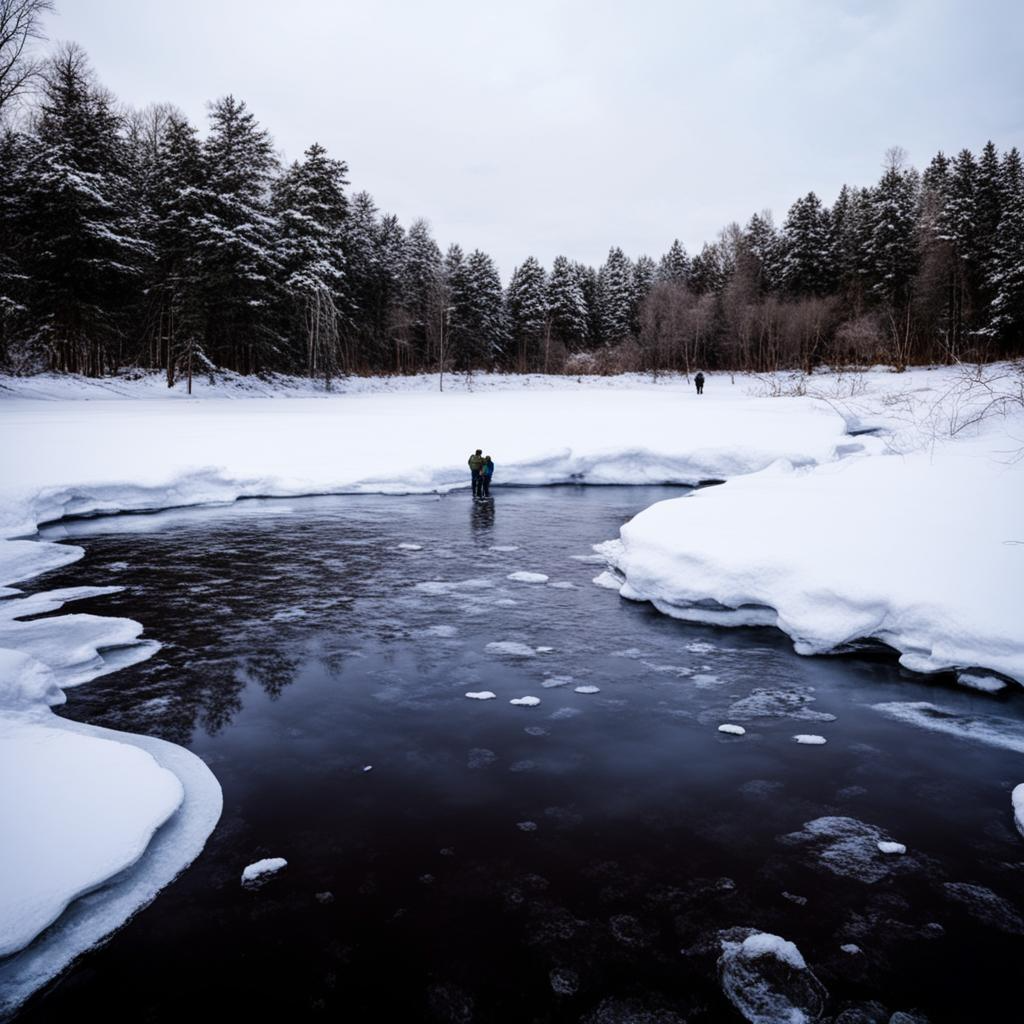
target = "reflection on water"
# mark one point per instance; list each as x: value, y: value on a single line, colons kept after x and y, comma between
x: 571, y: 861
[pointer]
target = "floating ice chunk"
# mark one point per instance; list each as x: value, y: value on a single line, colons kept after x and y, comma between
x: 513, y: 648
x: 810, y: 739
x: 406, y: 546
x: 733, y: 730
x: 553, y: 681
x: 887, y: 847
x: 481, y: 695
x: 261, y: 870
x: 563, y: 585
x: 850, y: 947
x: 779, y: 703
x: 527, y: 577
x: 564, y: 982
x: 440, y: 588
x: 588, y: 689
x: 800, y: 901
x: 504, y: 547
x: 767, y: 980
x: 367, y: 767
x: 1017, y: 799
x: 608, y: 580
x: 989, y: 729
x: 590, y: 559
x: 525, y: 702
x: 526, y: 826
x: 544, y: 650
x: 848, y: 847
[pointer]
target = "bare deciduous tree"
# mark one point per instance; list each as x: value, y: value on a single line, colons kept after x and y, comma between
x: 20, y: 24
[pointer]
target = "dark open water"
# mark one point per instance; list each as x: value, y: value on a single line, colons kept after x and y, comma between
x: 573, y: 861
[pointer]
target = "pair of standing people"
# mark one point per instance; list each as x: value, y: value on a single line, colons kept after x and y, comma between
x: 481, y: 469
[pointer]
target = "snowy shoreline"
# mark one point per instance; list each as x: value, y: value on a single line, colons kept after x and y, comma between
x: 799, y: 537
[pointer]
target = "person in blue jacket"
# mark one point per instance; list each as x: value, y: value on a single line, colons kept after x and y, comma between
x: 486, y: 472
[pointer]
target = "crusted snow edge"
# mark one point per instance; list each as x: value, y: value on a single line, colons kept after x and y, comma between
x: 174, y: 846
x: 709, y: 610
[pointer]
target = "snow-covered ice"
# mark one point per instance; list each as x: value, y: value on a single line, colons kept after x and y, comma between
x: 407, y: 546
x: 810, y: 739
x: 848, y: 847
x: 481, y: 695
x: 1017, y: 801
x: 587, y: 689
x: 608, y: 580
x: 892, y: 848
x: 525, y: 702
x: 850, y: 947
x: 528, y: 577
x: 993, y: 730
x: 767, y: 980
x: 260, y: 870
x: 732, y: 730
x: 513, y: 648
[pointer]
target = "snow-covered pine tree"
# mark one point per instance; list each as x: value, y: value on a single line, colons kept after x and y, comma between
x: 13, y: 280
x: 83, y: 255
x: 988, y: 211
x: 645, y: 272
x: 674, y: 266
x: 566, y: 305
x: 590, y: 287
x: 958, y: 227
x: 390, y: 321
x: 310, y: 205
x: 361, y: 253
x: 617, y: 297
x: 707, y: 272
x: 764, y: 247
x: 240, y: 268
x: 485, y: 334
x: 178, y: 204
x: 527, y: 306
x: 806, y: 255
x: 419, y: 276
x: 1006, y: 316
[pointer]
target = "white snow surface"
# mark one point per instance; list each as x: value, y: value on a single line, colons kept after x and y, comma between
x: 871, y: 545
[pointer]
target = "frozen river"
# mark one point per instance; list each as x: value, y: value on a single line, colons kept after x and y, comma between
x: 454, y: 859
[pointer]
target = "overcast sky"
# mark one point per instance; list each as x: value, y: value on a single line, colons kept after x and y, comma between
x: 539, y: 128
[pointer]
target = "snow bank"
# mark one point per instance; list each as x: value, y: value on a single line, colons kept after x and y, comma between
x: 1017, y: 799
x: 921, y: 550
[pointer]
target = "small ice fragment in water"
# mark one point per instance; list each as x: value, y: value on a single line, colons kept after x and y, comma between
x: 887, y: 847
x: 608, y: 580
x: 527, y: 577
x: 733, y: 730
x: 810, y: 739
x: 504, y: 547
x: 564, y: 982
x: 260, y: 870
x: 325, y: 897
x: 511, y: 647
x: 410, y: 547
x: 800, y: 901
x: 850, y: 947
x: 563, y: 585
x: 367, y: 767
x: 980, y: 681
x: 544, y: 650
x: 525, y: 702
x: 482, y: 695
x: 526, y: 826
x: 588, y: 689
x: 1017, y: 798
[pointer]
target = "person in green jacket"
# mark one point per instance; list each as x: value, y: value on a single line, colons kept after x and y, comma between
x: 476, y: 463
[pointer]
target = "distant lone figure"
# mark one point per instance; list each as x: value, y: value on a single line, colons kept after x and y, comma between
x: 485, y: 477
x: 476, y: 463
x: 699, y: 381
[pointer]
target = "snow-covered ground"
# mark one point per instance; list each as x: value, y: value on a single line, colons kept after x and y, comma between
x: 909, y: 536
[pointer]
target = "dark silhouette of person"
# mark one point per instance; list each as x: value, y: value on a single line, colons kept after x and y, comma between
x: 699, y: 381
x: 476, y: 463
x: 486, y: 472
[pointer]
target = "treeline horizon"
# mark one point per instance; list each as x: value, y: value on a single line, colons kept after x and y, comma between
x: 126, y: 240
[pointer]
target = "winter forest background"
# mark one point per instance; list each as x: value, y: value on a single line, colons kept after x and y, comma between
x: 130, y: 239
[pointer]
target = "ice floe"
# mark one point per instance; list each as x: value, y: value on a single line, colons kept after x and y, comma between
x: 847, y: 847
x: 407, y: 546
x: 525, y: 702
x: 732, y: 730
x: 608, y: 580
x: 791, y: 702
x: 587, y: 689
x: 892, y: 848
x: 259, y: 871
x: 528, y: 577
x: 481, y: 695
x: 1017, y: 801
x: 810, y: 739
x: 986, y: 907
x: 767, y: 980
x: 513, y: 648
